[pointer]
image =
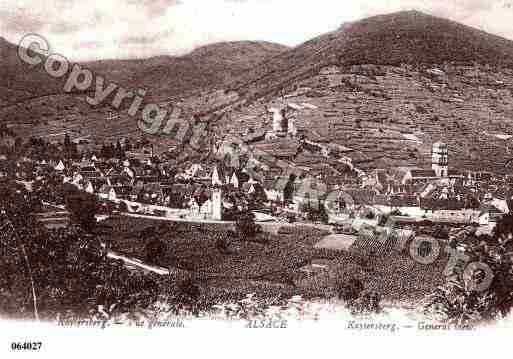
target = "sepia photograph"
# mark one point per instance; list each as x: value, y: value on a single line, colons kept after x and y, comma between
x: 337, y: 168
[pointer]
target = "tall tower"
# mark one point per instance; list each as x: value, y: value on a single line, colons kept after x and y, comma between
x: 217, y: 194
x: 280, y: 122
x: 292, y: 130
x: 217, y: 204
x: 440, y: 159
x: 277, y: 120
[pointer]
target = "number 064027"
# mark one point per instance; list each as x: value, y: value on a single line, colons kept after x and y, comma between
x: 35, y: 346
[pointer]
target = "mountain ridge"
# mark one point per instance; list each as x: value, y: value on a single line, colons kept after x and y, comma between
x: 379, y: 82
x: 406, y: 37
x: 385, y: 88
x: 131, y: 72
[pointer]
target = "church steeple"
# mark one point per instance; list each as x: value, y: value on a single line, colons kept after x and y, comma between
x: 440, y: 159
x: 217, y: 193
x: 217, y: 176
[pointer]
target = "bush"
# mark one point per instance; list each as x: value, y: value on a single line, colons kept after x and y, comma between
x: 396, y: 212
x: 367, y: 303
x: 222, y: 244
x: 188, y: 290
x: 317, y: 215
x: 123, y: 207
x: 245, y: 225
x: 154, y: 250
x: 107, y: 207
x: 83, y: 208
x: 349, y: 290
x: 466, y: 298
x: 370, y: 215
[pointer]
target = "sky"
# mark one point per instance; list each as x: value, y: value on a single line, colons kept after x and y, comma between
x: 114, y: 29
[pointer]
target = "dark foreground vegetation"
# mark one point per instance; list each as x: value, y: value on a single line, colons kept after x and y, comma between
x: 50, y: 274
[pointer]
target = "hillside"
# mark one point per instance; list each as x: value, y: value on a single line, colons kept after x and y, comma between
x: 18, y: 81
x: 170, y: 77
x: 33, y: 103
x: 387, y: 87
x: 408, y: 37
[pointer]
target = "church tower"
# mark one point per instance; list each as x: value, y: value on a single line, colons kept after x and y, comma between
x: 280, y: 122
x: 217, y: 204
x: 217, y: 195
x: 440, y: 159
x: 292, y: 129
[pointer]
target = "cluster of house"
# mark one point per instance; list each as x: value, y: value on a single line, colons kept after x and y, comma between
x: 197, y: 191
x: 439, y: 193
x: 210, y: 190
x: 115, y: 179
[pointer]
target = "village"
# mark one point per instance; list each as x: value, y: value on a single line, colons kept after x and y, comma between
x: 265, y: 208
x: 139, y: 182
x: 340, y: 166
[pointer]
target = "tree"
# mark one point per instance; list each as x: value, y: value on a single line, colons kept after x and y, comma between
x: 396, y: 212
x: 18, y: 143
x: 154, y: 250
x: 59, y: 273
x: 188, y: 289
x: 221, y: 244
x: 370, y: 215
x: 503, y: 231
x: 112, y: 150
x: 104, y: 151
x: 319, y: 214
x: 16, y: 206
x: 350, y: 289
x: 368, y: 302
x: 459, y: 300
x: 119, y: 153
x: 67, y: 142
x: 245, y: 225
x: 83, y: 208
x: 128, y: 145
x: 123, y: 207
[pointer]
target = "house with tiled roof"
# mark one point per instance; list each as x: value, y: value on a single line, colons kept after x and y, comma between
x: 107, y: 192
x: 60, y: 166
x: 274, y: 190
x: 421, y: 174
x: 88, y: 187
x: 146, y: 180
x: 112, y: 171
x: 193, y: 206
x: 154, y: 190
x: 123, y: 192
x: 489, y: 214
x: 454, y: 173
x: 119, y: 180
x: 283, y: 149
x: 218, y: 176
x: 234, y: 180
x: 416, y: 175
x: 361, y: 196
x: 256, y: 136
x: 90, y: 172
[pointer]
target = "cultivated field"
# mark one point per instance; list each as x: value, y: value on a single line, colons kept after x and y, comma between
x: 275, y: 268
